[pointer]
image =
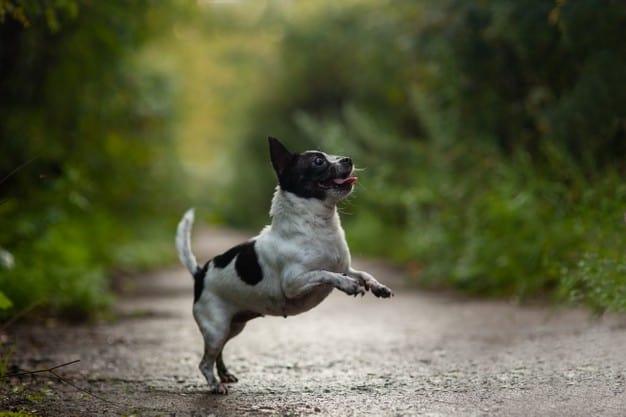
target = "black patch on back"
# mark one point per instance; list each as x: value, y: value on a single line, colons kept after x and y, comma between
x: 198, y: 281
x: 222, y: 261
x: 247, y: 264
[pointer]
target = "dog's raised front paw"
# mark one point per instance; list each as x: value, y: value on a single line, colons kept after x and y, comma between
x: 219, y: 389
x: 351, y: 286
x: 380, y: 290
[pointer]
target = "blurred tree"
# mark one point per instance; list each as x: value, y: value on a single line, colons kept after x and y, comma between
x: 529, y: 74
x: 85, y: 143
x: 41, y: 12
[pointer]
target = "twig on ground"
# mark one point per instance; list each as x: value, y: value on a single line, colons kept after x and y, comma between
x: 40, y: 371
x: 84, y: 391
x: 52, y: 372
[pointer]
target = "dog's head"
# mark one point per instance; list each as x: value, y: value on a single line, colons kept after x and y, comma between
x: 312, y: 174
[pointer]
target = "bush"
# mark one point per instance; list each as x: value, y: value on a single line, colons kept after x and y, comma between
x: 86, y: 155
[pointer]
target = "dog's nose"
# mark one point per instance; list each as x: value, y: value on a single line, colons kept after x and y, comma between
x: 346, y: 161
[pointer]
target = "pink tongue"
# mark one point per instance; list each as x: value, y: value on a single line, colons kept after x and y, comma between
x: 349, y: 180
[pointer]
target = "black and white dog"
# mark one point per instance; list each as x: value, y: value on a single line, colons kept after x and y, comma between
x: 289, y: 268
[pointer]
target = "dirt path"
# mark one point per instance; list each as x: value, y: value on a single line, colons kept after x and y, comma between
x: 415, y: 354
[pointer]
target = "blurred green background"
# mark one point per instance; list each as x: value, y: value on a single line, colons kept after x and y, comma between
x: 492, y: 135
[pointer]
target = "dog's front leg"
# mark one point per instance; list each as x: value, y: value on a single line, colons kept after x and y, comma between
x: 369, y: 282
x: 305, y: 282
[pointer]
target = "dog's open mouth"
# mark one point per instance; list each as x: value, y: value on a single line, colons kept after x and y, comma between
x: 338, y: 182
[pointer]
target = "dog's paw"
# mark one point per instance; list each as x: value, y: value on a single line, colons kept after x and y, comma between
x: 382, y: 291
x: 351, y: 286
x: 228, y: 378
x: 219, y: 389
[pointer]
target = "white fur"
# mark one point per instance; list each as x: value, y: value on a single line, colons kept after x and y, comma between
x: 305, y: 236
x: 183, y: 242
x: 303, y: 255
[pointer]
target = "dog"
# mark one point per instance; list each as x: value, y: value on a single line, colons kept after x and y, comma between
x: 289, y: 268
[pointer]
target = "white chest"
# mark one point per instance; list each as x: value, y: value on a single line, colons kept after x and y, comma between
x: 305, y: 236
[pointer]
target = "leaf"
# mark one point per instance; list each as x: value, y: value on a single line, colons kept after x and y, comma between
x: 5, y: 303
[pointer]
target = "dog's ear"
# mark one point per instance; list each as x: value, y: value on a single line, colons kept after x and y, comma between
x: 280, y: 156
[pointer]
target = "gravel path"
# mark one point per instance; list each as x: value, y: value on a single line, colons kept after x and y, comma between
x: 418, y: 353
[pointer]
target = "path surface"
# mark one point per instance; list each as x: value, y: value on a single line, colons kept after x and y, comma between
x: 415, y: 354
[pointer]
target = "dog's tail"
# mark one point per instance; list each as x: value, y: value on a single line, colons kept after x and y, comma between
x: 183, y: 242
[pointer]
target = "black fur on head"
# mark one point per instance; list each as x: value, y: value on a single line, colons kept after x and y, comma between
x: 311, y: 174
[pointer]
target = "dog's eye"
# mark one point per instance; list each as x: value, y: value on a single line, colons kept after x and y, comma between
x: 318, y: 161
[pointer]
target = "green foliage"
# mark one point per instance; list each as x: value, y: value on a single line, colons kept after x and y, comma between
x: 597, y: 276
x: 86, y: 155
x: 5, y: 357
x: 25, y: 11
x: 523, y: 73
x: 491, y: 133
x: 5, y: 303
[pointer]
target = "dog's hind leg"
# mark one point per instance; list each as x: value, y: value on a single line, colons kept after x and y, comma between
x: 211, y: 351
x: 215, y: 333
x: 225, y: 376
